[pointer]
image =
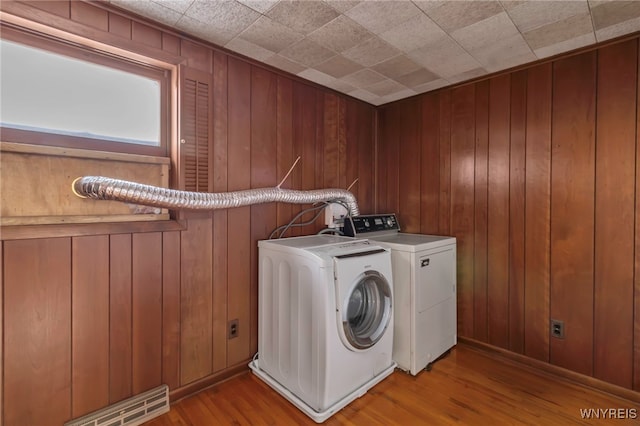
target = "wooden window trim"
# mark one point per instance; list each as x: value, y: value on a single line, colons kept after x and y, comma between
x: 119, y: 60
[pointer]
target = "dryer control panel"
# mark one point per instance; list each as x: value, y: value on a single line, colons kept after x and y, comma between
x: 370, y: 225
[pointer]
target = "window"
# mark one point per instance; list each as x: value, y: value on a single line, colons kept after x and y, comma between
x: 56, y: 93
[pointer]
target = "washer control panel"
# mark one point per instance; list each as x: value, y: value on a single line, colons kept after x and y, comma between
x: 370, y: 224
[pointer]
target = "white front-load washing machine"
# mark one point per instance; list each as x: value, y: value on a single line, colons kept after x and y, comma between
x: 325, y: 332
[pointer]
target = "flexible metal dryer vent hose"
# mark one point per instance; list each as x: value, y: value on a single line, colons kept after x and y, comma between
x: 104, y: 188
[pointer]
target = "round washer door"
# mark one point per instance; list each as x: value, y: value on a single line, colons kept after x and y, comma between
x: 366, y: 310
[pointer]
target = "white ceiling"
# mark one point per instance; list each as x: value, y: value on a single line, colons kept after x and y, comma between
x: 382, y: 51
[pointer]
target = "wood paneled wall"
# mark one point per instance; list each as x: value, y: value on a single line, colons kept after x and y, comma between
x: 536, y: 174
x: 90, y: 320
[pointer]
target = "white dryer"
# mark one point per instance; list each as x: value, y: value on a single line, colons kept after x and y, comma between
x: 424, y: 274
x: 325, y: 332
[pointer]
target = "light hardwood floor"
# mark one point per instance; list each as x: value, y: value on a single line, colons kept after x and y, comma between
x: 467, y: 387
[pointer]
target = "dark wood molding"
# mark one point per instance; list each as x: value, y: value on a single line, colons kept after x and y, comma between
x: 503, y: 355
x: 206, y: 382
x: 26, y: 232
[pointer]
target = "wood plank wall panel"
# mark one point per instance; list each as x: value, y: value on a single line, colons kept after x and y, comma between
x: 120, y: 313
x: 89, y: 323
x: 343, y: 158
x: 480, y: 283
x: 429, y: 166
x: 220, y: 217
x: 304, y: 131
x: 636, y: 278
x: 537, y: 212
x: 264, y: 106
x: 171, y: 316
x: 572, y: 206
x: 384, y: 134
x: 323, y: 110
x: 614, y: 213
x: 57, y: 7
x: 196, y: 301
x: 119, y: 25
x: 462, y: 196
x: 239, y: 219
x: 146, y: 259
x: 516, y: 210
x: 409, y: 156
x: 389, y: 158
x: 330, y: 143
x: 498, y: 212
x: 171, y: 294
x: 1, y: 332
x: 89, y: 15
x: 444, y: 219
x: 364, y: 121
x: 554, y: 205
x: 284, y: 144
x: 37, y: 331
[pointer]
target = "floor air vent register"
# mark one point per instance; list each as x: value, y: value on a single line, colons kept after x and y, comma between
x: 130, y: 412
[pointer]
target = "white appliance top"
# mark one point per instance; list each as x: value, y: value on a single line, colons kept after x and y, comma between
x: 385, y: 229
x: 412, y: 242
x: 306, y: 241
x: 320, y: 247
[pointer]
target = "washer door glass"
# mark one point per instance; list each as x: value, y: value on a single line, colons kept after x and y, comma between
x: 367, y: 311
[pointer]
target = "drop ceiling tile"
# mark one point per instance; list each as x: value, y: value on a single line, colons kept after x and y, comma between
x: 412, y: 34
x: 342, y: 5
x: 380, y: 16
x: 341, y: 86
x: 557, y: 32
x: 371, y: 52
x: 566, y: 45
x: 284, y: 64
x: 385, y: 87
x: 363, y: 95
x: 316, y: 76
x: 177, y: 5
x: 626, y: 27
x: 262, y: 6
x: 270, y: 34
x: 529, y: 15
x: 607, y: 14
x: 249, y: 49
x: 302, y: 16
x: 363, y: 78
x: 396, y: 66
x: 396, y: 96
x: 468, y: 75
x: 453, y: 15
x: 340, y: 34
x: 417, y: 78
x: 432, y: 85
x: 504, y: 53
x: 151, y: 9
x: 444, y: 57
x: 508, y: 5
x: 226, y: 21
x: 338, y: 66
x: 204, y: 31
x: 307, y: 52
x: 486, y: 32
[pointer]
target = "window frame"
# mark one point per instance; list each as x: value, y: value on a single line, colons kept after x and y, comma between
x: 95, y: 52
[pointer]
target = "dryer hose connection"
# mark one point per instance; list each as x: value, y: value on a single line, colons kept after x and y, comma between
x: 104, y: 188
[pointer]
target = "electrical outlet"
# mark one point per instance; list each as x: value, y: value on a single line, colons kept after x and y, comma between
x: 557, y: 329
x: 233, y: 328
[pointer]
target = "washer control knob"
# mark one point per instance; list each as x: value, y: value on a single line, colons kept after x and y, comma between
x: 390, y: 222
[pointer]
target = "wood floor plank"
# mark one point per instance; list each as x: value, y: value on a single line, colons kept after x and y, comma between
x: 467, y: 387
